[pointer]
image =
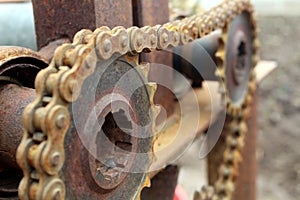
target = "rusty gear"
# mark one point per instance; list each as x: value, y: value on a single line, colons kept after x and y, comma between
x: 41, y: 153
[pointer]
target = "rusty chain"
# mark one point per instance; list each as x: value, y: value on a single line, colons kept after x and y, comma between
x: 46, y: 120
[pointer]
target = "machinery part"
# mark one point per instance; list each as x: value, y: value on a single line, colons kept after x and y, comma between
x: 18, y: 68
x: 13, y: 99
x: 199, y: 51
x: 236, y: 59
x: 107, y: 172
x: 151, y: 13
x: 20, y: 65
x: 36, y: 140
x: 46, y: 121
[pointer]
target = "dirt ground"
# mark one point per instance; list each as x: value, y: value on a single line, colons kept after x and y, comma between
x: 279, y: 106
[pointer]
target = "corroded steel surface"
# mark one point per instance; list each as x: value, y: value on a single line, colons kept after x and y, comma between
x: 246, y: 182
x: 18, y: 68
x: 13, y: 100
x: 109, y: 177
x: 62, y: 19
x: 20, y: 64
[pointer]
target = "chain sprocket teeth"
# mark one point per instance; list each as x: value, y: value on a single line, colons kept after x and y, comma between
x: 252, y: 87
x: 220, y: 58
x: 144, y: 69
x: 151, y: 87
x: 256, y: 45
x: 232, y: 109
x: 255, y: 60
x: 155, y: 110
x: 146, y: 183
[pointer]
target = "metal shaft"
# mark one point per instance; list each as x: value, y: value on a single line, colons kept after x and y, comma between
x: 13, y: 100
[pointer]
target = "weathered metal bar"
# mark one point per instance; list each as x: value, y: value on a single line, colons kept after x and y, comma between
x: 197, y: 60
x: 215, y: 156
x: 246, y: 181
x: 62, y: 19
x: 13, y: 100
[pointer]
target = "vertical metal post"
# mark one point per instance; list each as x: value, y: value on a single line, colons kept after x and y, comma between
x: 62, y: 19
x: 246, y: 181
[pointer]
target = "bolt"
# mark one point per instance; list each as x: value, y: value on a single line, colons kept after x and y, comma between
x: 165, y: 37
x: 60, y: 121
x: 55, y: 158
x: 124, y: 40
x: 107, y: 45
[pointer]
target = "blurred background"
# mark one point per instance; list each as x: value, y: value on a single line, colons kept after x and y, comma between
x: 279, y: 103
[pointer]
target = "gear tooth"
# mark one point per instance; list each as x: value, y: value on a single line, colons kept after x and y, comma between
x: 222, y: 40
x: 155, y: 110
x: 144, y: 69
x: 147, y: 183
x: 236, y: 110
x: 228, y: 105
x: 219, y: 62
x: 255, y: 60
x: 220, y: 72
x: 256, y: 45
x: 221, y: 89
x: 151, y: 87
x: 248, y: 100
x: 252, y: 87
x: 253, y: 76
x: 224, y: 37
x: 220, y: 54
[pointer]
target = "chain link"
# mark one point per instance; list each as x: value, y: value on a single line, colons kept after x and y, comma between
x: 46, y: 120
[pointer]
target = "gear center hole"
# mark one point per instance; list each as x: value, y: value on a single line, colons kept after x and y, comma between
x: 241, y: 55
